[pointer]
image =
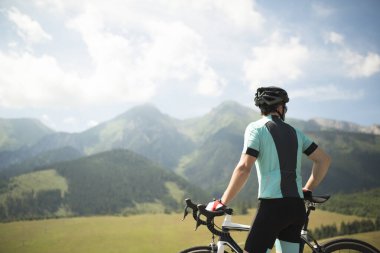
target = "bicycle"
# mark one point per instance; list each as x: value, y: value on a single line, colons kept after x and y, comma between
x: 225, y: 238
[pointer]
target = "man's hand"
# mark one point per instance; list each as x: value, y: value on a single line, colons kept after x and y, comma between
x: 215, y: 205
x: 307, y: 194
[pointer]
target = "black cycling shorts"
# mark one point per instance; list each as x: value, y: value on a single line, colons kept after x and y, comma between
x: 276, y: 218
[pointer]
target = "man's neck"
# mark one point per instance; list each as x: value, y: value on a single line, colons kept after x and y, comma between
x: 274, y: 114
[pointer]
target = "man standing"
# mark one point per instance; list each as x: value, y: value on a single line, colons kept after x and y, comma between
x: 276, y: 149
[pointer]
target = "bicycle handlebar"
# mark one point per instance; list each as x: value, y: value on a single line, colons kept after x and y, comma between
x: 194, y: 207
x: 210, y: 215
x: 200, y: 209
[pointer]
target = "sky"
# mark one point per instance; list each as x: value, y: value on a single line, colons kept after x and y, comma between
x: 75, y: 63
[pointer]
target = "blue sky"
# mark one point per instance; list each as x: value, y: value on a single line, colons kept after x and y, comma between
x: 73, y: 64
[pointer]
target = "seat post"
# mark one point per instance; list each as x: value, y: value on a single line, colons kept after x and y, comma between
x: 306, y: 224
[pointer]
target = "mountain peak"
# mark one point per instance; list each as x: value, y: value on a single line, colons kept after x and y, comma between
x: 21, y: 132
x: 235, y: 111
x: 144, y: 111
x: 230, y: 104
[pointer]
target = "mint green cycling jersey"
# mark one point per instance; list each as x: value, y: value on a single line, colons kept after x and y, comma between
x: 278, y: 148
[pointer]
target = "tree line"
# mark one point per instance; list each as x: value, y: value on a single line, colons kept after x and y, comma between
x: 364, y: 204
x: 31, y: 205
x: 357, y: 226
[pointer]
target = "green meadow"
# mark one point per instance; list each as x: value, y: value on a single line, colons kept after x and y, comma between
x: 138, y: 233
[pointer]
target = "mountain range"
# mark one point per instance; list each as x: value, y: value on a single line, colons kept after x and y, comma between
x: 112, y: 182
x: 145, y: 130
x: 201, y: 151
x: 18, y: 133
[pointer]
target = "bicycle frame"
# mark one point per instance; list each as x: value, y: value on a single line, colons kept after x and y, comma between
x: 225, y: 238
x: 228, y: 225
x: 305, y: 237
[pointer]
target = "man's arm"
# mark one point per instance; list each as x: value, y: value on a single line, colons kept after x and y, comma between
x: 239, y: 177
x: 321, y: 163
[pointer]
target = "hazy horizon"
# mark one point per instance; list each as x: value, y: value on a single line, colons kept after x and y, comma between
x: 254, y: 110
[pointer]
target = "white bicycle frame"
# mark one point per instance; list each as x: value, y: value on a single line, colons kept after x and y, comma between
x: 227, y: 226
x: 230, y: 226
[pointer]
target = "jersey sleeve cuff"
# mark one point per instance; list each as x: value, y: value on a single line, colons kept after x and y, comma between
x: 252, y: 152
x: 310, y: 149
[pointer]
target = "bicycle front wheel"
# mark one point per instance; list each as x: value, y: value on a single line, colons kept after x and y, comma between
x: 349, y: 246
x: 201, y: 249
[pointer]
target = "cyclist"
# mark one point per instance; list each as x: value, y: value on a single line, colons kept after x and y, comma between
x: 276, y: 149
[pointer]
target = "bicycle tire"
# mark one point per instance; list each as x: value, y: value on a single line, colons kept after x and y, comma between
x: 200, y: 249
x: 349, y: 245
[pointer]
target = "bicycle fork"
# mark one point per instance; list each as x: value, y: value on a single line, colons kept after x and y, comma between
x: 222, y: 241
x: 227, y: 240
x: 219, y: 246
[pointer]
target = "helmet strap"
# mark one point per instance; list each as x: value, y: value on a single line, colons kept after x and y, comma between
x: 282, y: 115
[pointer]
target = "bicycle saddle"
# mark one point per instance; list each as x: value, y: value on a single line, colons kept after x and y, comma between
x: 318, y: 199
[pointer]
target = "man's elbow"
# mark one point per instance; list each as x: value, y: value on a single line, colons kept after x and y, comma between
x: 328, y: 160
x: 244, y: 168
x: 320, y: 157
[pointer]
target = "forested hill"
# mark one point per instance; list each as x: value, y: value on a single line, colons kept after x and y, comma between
x: 355, y: 161
x: 364, y: 203
x: 113, y: 182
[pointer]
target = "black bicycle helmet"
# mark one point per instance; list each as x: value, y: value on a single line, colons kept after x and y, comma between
x: 269, y: 96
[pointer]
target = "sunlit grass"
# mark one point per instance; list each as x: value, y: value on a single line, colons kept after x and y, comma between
x: 140, y: 233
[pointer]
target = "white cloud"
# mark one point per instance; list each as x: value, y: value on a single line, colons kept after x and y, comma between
x: 27, y: 80
x: 357, y: 65
x: 55, y: 5
x: 241, y: 12
x: 36, y: 81
x: 276, y: 62
x: 92, y: 123
x: 351, y: 63
x: 210, y: 84
x: 48, y: 121
x: 334, y: 38
x: 322, y: 10
x: 325, y: 93
x: 138, y: 64
x: 70, y: 121
x: 134, y: 49
x: 27, y: 28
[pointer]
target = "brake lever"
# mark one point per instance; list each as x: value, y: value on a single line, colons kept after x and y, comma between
x: 198, y: 221
x: 185, y: 213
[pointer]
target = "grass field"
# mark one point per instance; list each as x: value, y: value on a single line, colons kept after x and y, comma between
x: 140, y: 233
x: 36, y: 181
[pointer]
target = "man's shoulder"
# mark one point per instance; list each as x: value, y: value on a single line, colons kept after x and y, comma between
x: 258, y: 123
x: 300, y: 133
x: 297, y: 130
